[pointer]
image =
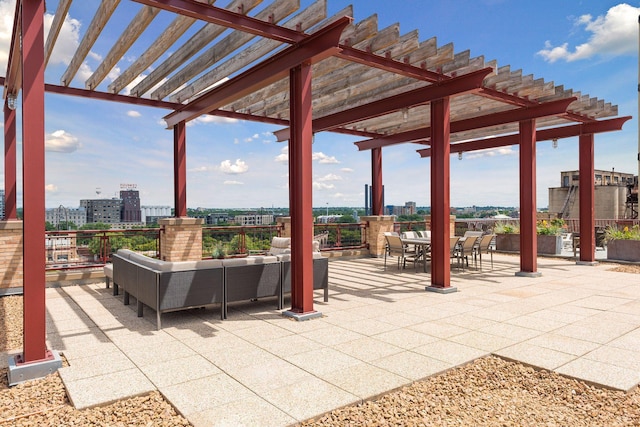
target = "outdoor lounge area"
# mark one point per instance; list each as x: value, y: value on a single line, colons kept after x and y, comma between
x: 379, y: 331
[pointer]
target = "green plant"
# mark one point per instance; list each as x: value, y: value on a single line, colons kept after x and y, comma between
x: 506, y: 228
x: 219, y: 251
x: 553, y: 227
x: 614, y: 233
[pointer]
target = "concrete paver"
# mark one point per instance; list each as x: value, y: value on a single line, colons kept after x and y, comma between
x: 380, y: 330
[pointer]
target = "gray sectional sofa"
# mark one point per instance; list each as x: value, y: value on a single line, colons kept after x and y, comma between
x: 170, y: 286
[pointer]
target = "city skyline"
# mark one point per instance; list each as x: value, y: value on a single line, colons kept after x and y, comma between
x: 590, y: 47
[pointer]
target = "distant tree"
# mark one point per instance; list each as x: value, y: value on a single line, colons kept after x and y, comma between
x: 67, y: 225
x: 95, y: 226
x: 48, y: 226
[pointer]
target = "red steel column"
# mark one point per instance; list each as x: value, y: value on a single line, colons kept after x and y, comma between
x: 180, y: 169
x: 528, y: 218
x: 301, y: 190
x: 10, y: 171
x: 35, y: 347
x: 586, y: 188
x: 376, y: 182
x: 440, y: 195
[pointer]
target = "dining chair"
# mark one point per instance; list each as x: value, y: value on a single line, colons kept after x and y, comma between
x: 398, y: 249
x: 467, y: 249
x: 454, y: 250
x: 485, y: 246
x: 425, y: 234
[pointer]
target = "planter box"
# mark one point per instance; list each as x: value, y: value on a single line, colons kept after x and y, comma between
x: 547, y: 245
x: 624, y: 250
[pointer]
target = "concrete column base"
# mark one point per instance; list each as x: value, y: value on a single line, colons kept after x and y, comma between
x: 440, y: 290
x: 529, y: 274
x: 590, y: 263
x: 20, y: 372
x: 302, y: 316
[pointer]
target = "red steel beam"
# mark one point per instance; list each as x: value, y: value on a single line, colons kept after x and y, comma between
x: 440, y: 195
x: 301, y: 190
x: 528, y: 218
x: 226, y: 18
x: 10, y: 170
x: 33, y: 179
x: 552, y: 108
x: 587, y: 203
x: 455, y: 86
x: 314, y: 48
x: 608, y: 125
x: 376, y: 182
x: 180, y: 169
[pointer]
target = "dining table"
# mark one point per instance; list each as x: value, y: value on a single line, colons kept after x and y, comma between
x: 423, y: 247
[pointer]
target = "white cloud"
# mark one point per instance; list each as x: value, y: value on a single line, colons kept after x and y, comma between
x: 504, y: 151
x: 61, y: 142
x: 611, y: 35
x: 233, y: 169
x: 324, y: 159
x: 323, y: 186
x: 206, y: 118
x: 330, y: 177
x: 133, y: 113
x: 50, y: 188
x: 283, y: 157
x: 233, y: 183
x: 200, y: 169
x: 347, y: 170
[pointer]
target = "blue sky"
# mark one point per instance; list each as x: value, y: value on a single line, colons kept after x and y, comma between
x: 588, y: 46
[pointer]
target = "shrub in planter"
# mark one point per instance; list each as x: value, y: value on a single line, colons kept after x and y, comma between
x: 623, y: 244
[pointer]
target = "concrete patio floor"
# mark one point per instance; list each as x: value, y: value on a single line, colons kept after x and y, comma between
x: 380, y: 331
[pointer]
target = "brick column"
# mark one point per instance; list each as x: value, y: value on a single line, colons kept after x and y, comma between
x: 452, y: 223
x: 181, y: 239
x: 376, y: 227
x: 285, y: 223
x: 11, y: 270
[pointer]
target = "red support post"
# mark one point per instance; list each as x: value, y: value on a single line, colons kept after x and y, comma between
x: 10, y: 171
x: 180, y: 169
x: 586, y: 190
x: 300, y: 194
x: 376, y: 182
x: 528, y: 218
x: 35, y: 347
x: 440, y: 197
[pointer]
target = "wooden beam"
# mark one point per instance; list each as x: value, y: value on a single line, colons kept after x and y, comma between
x: 159, y: 46
x: 315, y: 47
x: 135, y: 28
x: 273, y: 13
x: 56, y: 26
x: 303, y: 21
x: 600, y: 126
x: 104, y: 12
x: 465, y: 83
x: 190, y: 48
x: 510, y: 116
x: 226, y: 19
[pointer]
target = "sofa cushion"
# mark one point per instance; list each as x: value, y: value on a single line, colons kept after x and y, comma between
x: 108, y: 271
x: 125, y: 253
x: 152, y: 263
x: 189, y: 265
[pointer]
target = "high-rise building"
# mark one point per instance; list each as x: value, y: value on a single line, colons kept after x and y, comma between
x: 62, y: 214
x: 102, y: 210
x: 130, y: 211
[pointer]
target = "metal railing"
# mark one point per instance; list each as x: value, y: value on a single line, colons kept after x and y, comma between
x: 75, y: 249
x: 230, y: 241
x: 341, y: 236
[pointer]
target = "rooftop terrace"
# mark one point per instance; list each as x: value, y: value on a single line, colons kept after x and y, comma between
x: 380, y: 331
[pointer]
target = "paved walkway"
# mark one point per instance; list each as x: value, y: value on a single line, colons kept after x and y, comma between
x: 380, y: 331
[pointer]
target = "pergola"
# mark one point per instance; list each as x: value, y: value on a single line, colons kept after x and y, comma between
x: 308, y: 73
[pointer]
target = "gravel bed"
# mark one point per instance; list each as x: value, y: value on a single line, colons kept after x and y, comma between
x: 492, y: 392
